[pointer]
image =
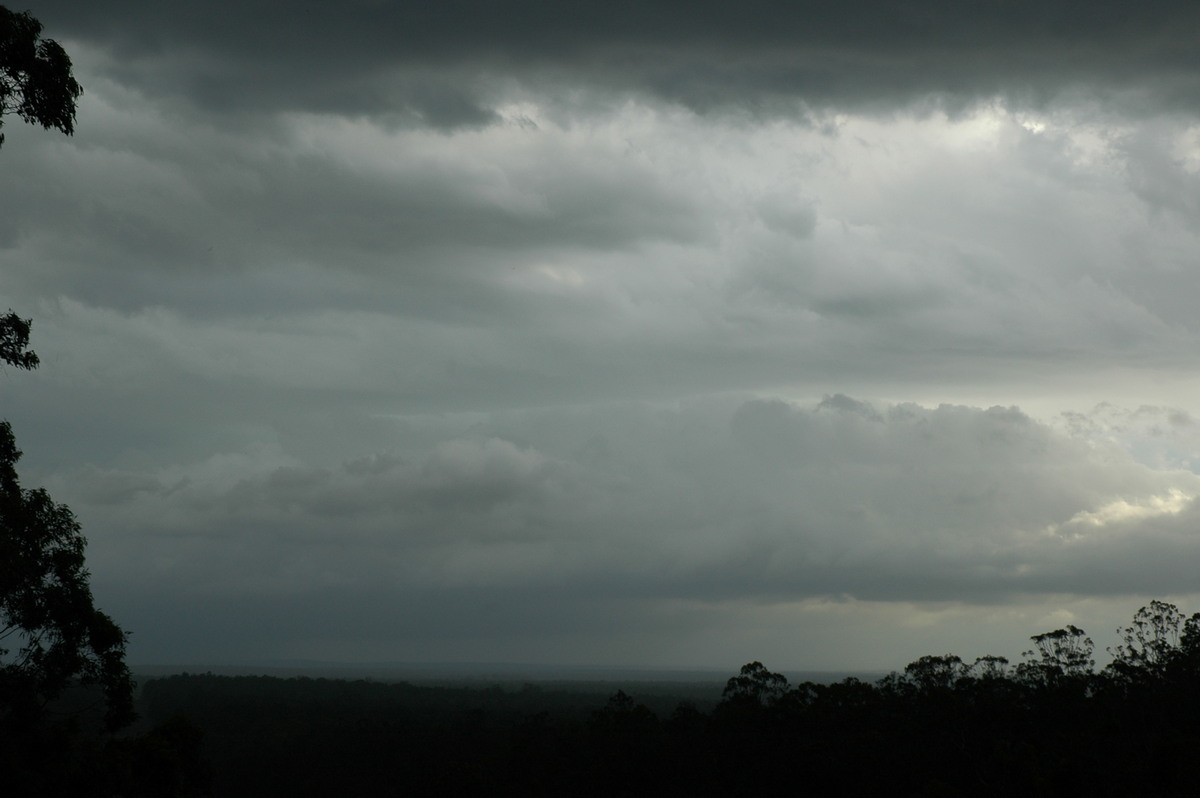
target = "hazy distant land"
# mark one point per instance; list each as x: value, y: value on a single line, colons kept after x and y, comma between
x: 604, y: 678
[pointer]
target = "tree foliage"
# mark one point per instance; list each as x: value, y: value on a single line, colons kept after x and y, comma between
x: 51, y: 633
x: 36, y: 82
x: 1148, y: 644
x: 755, y: 684
x: 932, y: 672
x: 14, y: 342
x: 1064, y: 655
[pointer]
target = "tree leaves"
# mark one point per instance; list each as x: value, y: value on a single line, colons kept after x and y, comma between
x: 35, y: 75
x: 46, y: 603
x: 14, y: 342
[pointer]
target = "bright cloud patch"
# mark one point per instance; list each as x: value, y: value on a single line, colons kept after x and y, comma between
x: 1124, y: 511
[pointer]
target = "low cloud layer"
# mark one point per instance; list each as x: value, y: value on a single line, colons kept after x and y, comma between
x: 638, y: 509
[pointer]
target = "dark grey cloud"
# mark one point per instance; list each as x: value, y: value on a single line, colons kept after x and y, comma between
x: 515, y: 524
x: 165, y: 210
x: 438, y: 63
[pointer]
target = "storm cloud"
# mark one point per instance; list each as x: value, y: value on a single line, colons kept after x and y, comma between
x: 445, y: 64
x: 641, y: 333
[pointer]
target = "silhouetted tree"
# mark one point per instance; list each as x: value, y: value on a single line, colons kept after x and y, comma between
x: 1148, y: 645
x: 14, y: 342
x: 51, y: 632
x: 989, y: 667
x: 1189, y: 643
x: 51, y: 635
x: 935, y: 673
x: 755, y: 684
x: 36, y: 82
x: 1064, y: 655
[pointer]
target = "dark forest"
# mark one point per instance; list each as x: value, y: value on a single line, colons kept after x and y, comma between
x: 1052, y: 724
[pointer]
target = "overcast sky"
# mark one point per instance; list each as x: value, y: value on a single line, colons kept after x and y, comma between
x: 625, y: 333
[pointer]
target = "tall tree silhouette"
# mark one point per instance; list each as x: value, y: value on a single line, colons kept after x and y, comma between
x: 51, y: 634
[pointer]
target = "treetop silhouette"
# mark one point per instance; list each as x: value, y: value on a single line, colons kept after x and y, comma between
x: 36, y: 82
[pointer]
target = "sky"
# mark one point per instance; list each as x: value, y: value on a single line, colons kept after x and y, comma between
x: 652, y: 334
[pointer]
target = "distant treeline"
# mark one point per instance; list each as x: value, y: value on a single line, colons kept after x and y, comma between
x: 1050, y: 725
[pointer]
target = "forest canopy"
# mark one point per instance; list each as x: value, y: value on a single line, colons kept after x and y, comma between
x: 1051, y: 725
